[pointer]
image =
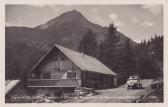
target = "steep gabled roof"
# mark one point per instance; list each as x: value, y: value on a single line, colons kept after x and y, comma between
x: 87, y: 63
x: 10, y: 84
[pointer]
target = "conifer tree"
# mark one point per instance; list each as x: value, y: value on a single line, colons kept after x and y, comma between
x: 107, y: 53
x: 88, y: 44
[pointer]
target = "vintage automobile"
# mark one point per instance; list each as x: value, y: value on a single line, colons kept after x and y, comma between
x: 133, y: 82
x: 157, y: 84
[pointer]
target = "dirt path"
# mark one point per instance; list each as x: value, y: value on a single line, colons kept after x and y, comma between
x: 116, y: 95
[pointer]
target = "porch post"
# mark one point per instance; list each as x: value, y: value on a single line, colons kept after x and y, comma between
x: 115, y: 81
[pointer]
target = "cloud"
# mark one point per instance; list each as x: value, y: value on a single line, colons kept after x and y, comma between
x: 68, y: 4
x: 113, y: 16
x: 55, y: 8
x: 19, y: 22
x: 118, y: 23
x: 148, y: 24
x: 8, y: 24
x: 96, y: 17
x: 32, y: 15
x: 115, y: 19
x: 38, y: 5
x: 99, y: 20
x: 134, y: 20
x: 154, y: 9
x: 94, y: 10
x: 137, y: 41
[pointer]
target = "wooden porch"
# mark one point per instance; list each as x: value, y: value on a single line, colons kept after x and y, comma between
x: 53, y: 82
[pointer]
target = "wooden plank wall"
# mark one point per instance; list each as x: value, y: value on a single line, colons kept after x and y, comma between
x: 96, y: 80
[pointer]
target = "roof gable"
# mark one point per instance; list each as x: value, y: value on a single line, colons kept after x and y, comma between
x: 10, y: 84
x: 86, y: 63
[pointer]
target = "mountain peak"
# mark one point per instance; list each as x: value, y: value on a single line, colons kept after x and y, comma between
x: 69, y: 16
x: 75, y: 11
x: 74, y: 14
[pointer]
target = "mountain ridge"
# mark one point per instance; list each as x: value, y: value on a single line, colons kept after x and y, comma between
x: 25, y: 46
x: 69, y: 26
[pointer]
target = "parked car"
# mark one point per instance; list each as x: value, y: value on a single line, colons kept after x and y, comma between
x: 133, y: 82
x: 157, y: 84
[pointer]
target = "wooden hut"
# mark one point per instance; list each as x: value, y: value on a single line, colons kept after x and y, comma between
x: 66, y: 69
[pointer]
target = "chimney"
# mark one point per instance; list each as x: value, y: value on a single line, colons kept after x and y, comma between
x: 83, y: 53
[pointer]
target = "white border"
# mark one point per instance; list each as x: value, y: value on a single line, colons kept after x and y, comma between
x: 2, y: 51
x: 73, y: 2
x: 84, y: 1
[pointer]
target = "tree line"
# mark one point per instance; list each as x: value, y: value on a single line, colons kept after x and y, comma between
x: 145, y: 58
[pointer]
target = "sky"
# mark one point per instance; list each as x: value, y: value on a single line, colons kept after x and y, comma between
x: 137, y: 22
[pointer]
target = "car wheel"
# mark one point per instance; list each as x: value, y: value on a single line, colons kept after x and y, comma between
x: 128, y: 87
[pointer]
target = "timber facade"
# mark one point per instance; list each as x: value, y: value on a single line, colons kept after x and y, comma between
x: 65, y: 69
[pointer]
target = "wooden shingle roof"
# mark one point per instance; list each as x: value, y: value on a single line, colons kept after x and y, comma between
x: 10, y: 84
x: 86, y: 63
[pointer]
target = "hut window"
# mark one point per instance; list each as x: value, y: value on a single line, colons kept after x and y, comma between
x: 71, y: 75
x: 47, y: 76
x: 63, y: 57
x: 55, y: 58
x: 33, y: 75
